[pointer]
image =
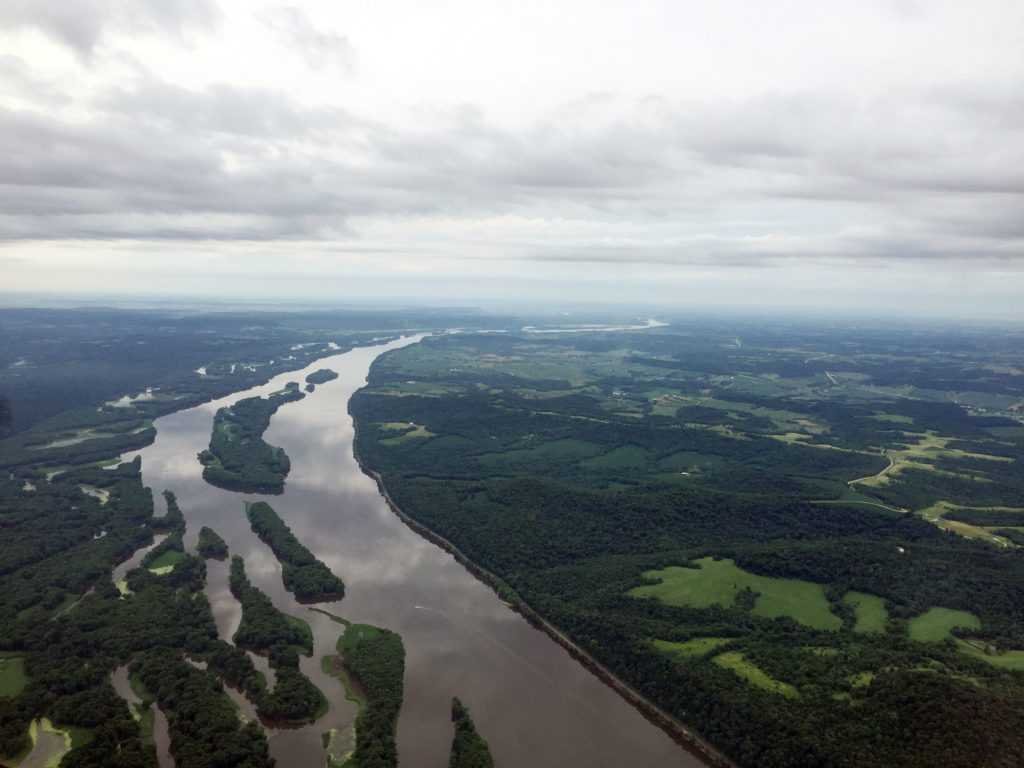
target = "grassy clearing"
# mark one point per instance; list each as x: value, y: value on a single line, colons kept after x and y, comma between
x: 688, y: 461
x: 418, y: 432
x: 870, y: 611
x: 698, y: 646
x: 718, y: 582
x: 893, y: 418
x: 1003, y: 659
x: 861, y: 679
x: 623, y: 457
x: 12, y: 675
x: 936, y: 514
x: 166, y: 561
x: 934, y: 625
x: 920, y: 455
x: 751, y: 673
x: 552, y: 451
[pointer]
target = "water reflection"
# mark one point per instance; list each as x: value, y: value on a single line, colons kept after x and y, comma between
x: 534, y: 704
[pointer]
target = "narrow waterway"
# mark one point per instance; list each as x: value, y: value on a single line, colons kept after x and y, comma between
x: 530, y: 699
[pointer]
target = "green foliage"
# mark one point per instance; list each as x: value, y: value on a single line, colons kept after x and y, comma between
x: 303, y: 574
x: 570, y: 466
x: 935, y: 624
x: 218, y: 739
x: 376, y: 662
x: 12, y: 675
x: 262, y: 624
x: 210, y: 544
x: 721, y: 582
x: 321, y: 376
x: 469, y: 749
x: 238, y: 459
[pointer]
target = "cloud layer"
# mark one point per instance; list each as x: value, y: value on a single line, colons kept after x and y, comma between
x: 682, y: 137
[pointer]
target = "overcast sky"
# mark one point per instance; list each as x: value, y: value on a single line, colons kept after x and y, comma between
x: 855, y: 153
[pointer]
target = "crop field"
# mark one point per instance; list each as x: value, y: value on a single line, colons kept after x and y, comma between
x: 934, y: 625
x: 719, y: 582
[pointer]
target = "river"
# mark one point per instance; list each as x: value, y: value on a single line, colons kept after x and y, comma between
x: 530, y: 699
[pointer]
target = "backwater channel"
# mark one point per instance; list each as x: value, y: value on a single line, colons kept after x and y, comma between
x: 534, y: 703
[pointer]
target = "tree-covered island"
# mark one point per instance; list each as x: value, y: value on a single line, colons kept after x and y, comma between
x: 238, y: 458
x: 308, y: 578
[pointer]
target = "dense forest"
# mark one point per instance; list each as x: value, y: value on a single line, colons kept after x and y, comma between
x: 305, y: 576
x: 655, y: 495
x: 238, y: 458
x: 662, y: 497
x: 375, y: 660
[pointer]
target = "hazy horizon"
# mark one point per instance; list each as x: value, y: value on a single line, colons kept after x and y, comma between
x: 851, y: 157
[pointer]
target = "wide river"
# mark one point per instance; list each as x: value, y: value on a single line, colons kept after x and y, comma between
x: 530, y: 699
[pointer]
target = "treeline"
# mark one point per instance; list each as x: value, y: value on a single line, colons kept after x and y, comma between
x: 469, y: 749
x: 377, y: 663
x: 238, y: 458
x: 308, y: 578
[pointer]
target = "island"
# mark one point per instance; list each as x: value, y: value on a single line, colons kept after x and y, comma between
x: 308, y: 578
x: 238, y: 458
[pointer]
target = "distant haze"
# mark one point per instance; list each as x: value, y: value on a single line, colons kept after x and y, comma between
x: 857, y: 155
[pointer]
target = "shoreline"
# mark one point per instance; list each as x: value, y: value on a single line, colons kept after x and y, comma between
x: 679, y: 732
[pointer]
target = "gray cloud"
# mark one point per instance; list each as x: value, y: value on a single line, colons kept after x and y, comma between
x: 936, y: 174
x: 82, y: 26
x: 319, y: 49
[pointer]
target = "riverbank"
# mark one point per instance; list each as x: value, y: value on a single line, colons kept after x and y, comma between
x: 684, y: 736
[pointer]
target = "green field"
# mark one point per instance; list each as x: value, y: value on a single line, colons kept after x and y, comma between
x: 934, y: 625
x: 1003, y: 659
x: 698, y: 646
x: 12, y: 675
x: 166, y: 561
x: 623, y: 457
x: 753, y: 674
x: 554, y: 450
x: 718, y: 582
x: 688, y: 461
x: 870, y: 611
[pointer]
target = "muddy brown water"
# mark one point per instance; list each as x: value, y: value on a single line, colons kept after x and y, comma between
x: 530, y: 699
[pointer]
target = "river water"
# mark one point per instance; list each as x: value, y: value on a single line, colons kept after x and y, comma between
x: 530, y: 699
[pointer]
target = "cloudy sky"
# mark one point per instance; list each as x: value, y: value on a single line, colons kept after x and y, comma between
x: 848, y: 153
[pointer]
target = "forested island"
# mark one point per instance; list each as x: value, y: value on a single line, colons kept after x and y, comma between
x: 308, y: 578
x: 210, y: 544
x: 321, y: 376
x: 372, y: 661
x: 238, y: 458
x: 772, y: 534
x: 469, y: 749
